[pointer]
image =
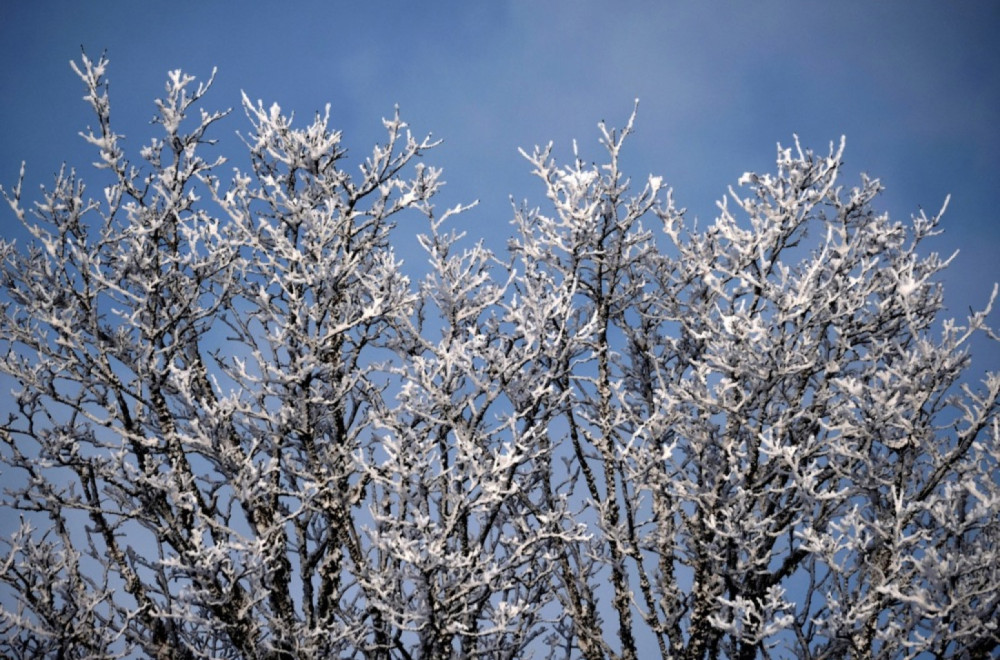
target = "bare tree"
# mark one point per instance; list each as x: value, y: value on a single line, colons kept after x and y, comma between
x: 238, y: 429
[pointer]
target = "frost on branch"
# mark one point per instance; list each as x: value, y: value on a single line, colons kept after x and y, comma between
x: 237, y: 429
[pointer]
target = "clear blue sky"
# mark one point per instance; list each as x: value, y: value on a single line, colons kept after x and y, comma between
x: 914, y: 85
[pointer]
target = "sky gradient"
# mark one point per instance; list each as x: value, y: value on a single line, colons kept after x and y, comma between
x: 914, y: 86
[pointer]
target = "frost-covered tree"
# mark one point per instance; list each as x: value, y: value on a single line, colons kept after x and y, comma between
x: 770, y: 438
x: 237, y: 429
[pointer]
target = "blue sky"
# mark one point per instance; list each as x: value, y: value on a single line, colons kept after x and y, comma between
x: 915, y: 87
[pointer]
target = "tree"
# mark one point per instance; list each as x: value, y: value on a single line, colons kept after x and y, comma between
x: 239, y: 430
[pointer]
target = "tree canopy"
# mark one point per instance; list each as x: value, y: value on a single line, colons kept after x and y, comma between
x: 239, y: 429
